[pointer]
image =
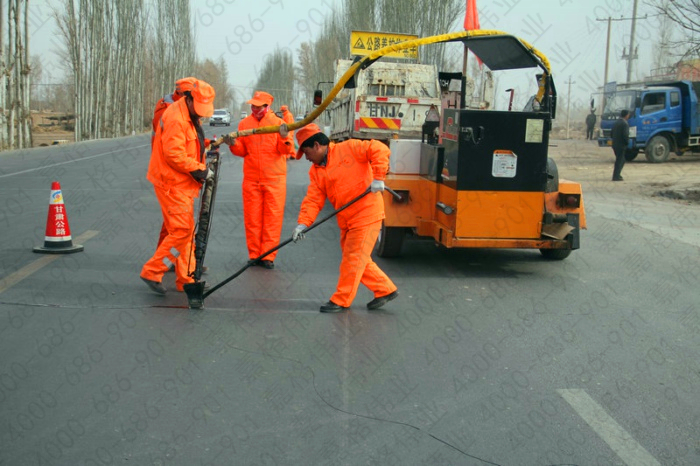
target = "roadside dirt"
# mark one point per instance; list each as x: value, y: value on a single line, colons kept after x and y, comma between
x: 677, y: 179
x: 48, y: 130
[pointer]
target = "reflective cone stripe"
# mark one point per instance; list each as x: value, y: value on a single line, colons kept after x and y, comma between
x: 57, y: 238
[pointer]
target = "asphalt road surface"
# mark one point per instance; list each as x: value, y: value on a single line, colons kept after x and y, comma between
x: 487, y: 356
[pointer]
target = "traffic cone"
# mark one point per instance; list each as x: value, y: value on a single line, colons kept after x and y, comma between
x: 58, y: 239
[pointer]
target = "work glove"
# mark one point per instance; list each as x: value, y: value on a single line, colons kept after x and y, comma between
x: 284, y: 131
x: 202, y: 175
x: 229, y: 140
x: 377, y: 186
x: 297, y: 235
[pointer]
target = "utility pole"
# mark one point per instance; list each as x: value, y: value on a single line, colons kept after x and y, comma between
x: 632, y: 55
x: 568, y: 105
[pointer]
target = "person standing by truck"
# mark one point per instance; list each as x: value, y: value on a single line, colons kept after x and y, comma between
x: 340, y: 173
x: 620, y: 135
x: 590, y: 124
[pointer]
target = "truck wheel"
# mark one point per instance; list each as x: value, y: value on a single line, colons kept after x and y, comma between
x: 390, y: 241
x: 657, y: 150
x: 552, y: 185
x: 555, y: 254
x: 631, y: 154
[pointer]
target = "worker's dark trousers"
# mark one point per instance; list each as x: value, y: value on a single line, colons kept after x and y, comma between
x: 619, y: 162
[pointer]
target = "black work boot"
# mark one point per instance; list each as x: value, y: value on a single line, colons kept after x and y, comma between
x: 376, y: 303
x: 330, y: 306
x: 156, y: 287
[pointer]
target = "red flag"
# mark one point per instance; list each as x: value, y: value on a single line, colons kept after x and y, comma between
x: 471, y: 21
x: 471, y: 16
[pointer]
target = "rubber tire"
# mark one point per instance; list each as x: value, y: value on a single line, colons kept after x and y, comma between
x: 390, y: 241
x: 552, y: 185
x: 555, y: 254
x: 631, y: 154
x: 658, y: 149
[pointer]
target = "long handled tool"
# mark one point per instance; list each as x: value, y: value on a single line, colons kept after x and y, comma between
x: 201, y: 237
x: 196, y: 291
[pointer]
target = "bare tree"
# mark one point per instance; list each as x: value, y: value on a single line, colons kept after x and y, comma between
x: 663, y: 51
x: 119, y: 67
x: 685, y: 14
x: 277, y: 77
x: 423, y: 17
x: 15, y: 117
x: 216, y: 74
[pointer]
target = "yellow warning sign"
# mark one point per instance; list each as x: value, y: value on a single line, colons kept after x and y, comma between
x: 364, y: 43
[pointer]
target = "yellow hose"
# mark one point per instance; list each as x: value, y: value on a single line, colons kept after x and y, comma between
x: 453, y: 36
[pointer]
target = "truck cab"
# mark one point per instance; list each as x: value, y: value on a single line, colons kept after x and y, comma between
x: 663, y: 118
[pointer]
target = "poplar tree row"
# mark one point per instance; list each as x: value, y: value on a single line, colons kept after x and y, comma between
x: 15, y: 119
x: 119, y: 66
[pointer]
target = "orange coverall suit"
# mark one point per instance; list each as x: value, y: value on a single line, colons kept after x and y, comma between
x: 350, y: 168
x: 161, y: 106
x: 177, y: 150
x: 264, y: 183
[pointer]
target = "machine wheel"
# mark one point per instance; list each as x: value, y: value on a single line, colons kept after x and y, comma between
x: 658, y: 149
x: 631, y: 154
x: 555, y: 254
x: 390, y: 241
x: 552, y: 185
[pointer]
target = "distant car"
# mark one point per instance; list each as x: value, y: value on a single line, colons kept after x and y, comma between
x: 243, y: 115
x: 220, y: 117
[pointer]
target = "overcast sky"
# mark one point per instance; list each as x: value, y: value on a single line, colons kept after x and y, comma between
x: 244, y: 31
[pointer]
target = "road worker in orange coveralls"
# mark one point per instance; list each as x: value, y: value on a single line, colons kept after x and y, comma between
x: 264, y: 178
x: 181, y: 85
x: 177, y: 170
x: 340, y: 173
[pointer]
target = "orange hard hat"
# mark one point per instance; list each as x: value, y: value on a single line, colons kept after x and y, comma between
x: 203, y: 95
x: 284, y: 107
x: 305, y: 133
x: 261, y: 98
x: 185, y: 84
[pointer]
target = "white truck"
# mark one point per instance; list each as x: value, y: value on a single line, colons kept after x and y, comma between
x: 389, y: 101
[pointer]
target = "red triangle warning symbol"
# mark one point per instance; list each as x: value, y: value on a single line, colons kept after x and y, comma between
x: 359, y: 44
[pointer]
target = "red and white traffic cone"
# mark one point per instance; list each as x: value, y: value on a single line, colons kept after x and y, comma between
x: 58, y: 239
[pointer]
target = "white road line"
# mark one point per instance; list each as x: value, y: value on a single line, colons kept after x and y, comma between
x: 32, y: 267
x: 621, y: 442
x: 69, y: 161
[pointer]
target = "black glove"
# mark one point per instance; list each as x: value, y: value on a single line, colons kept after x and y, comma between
x: 201, y: 175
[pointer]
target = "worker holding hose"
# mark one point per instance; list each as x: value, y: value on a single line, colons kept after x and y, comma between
x: 339, y: 173
x: 264, y: 177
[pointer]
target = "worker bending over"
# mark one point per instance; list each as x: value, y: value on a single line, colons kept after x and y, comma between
x: 340, y: 173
